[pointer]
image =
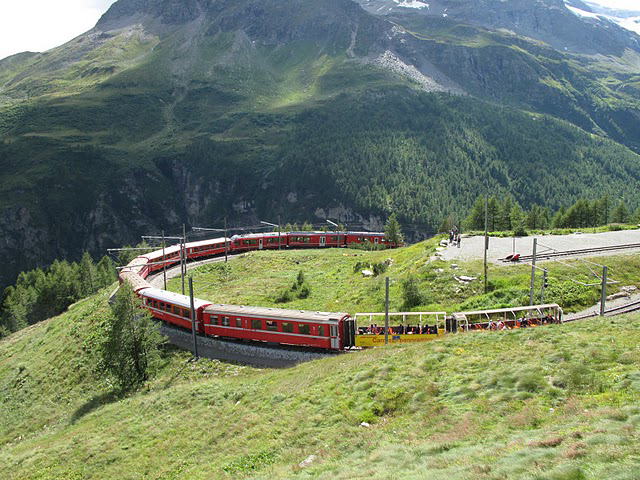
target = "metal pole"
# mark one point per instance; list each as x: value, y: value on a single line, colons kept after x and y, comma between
x: 544, y: 284
x: 226, y: 246
x: 193, y: 319
x: 486, y: 240
x: 183, y: 255
x: 278, y: 232
x: 386, y: 312
x: 164, y: 264
x: 603, y: 298
x: 533, y: 272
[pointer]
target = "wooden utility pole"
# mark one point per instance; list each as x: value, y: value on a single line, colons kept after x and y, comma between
x: 533, y: 272
x: 486, y: 241
x: 164, y: 264
x: 183, y: 256
x: 603, y: 295
x: 386, y: 312
x: 226, y: 245
x: 193, y: 319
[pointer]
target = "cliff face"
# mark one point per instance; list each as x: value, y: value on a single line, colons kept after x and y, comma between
x: 172, y: 112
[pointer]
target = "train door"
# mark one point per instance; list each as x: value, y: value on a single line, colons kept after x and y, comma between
x: 335, y: 341
x: 376, y: 240
x: 323, y: 241
x: 260, y: 244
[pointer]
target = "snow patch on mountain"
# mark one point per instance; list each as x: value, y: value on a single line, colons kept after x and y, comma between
x: 582, y: 13
x: 411, y: 4
x: 624, y: 19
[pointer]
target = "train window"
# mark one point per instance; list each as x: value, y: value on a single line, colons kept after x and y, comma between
x: 214, y: 320
x: 239, y: 322
x: 256, y: 324
x: 225, y: 321
x: 176, y: 310
x: 271, y: 325
x: 162, y: 306
x: 334, y: 330
x: 304, y: 329
x: 307, y: 239
x: 334, y: 239
x: 186, y: 313
x: 321, y: 330
x: 287, y: 327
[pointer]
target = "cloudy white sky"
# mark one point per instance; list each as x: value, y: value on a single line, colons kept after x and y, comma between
x: 39, y: 25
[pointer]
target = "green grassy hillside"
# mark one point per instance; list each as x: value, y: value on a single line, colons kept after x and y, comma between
x: 258, y: 277
x: 557, y: 402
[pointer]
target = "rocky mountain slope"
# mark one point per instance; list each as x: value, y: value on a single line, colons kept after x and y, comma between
x: 189, y: 111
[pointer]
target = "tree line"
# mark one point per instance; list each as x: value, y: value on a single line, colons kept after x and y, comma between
x: 506, y: 214
x: 43, y: 293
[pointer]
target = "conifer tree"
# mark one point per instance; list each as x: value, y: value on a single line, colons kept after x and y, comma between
x: 88, y: 276
x: 130, y: 352
x: 393, y: 230
x: 620, y: 214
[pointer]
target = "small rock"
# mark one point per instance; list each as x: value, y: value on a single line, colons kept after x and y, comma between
x: 629, y: 289
x: 367, y: 273
x: 389, y: 262
x: 454, y: 266
x: 440, y: 270
x: 464, y: 278
x: 437, y: 254
x: 365, y: 425
x: 618, y: 295
x: 307, y: 461
x: 440, y: 249
x: 444, y: 243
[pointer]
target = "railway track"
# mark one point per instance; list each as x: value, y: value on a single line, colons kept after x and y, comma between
x: 622, y: 309
x: 570, y: 253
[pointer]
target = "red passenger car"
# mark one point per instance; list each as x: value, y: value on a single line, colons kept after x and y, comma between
x: 207, y: 248
x: 173, y: 307
x: 292, y: 327
x: 315, y: 239
x: 258, y: 241
x: 363, y: 237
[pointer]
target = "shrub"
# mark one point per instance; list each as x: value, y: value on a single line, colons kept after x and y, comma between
x: 411, y: 293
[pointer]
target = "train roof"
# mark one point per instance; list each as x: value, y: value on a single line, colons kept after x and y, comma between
x: 258, y: 235
x: 378, y: 234
x: 173, y: 298
x: 136, y: 264
x: 204, y: 243
x: 136, y: 281
x: 277, y: 313
x: 314, y: 232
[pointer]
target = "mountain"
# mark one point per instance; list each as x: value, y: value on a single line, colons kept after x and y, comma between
x: 195, y: 110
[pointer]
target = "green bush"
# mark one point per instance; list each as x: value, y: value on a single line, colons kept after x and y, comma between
x: 411, y: 295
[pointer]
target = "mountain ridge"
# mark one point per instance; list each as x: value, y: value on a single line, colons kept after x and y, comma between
x: 171, y: 112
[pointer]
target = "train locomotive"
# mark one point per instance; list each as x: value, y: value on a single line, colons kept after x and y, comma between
x: 324, y: 330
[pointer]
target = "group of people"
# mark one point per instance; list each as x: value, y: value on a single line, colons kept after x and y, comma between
x: 519, y: 323
x: 374, y: 329
x: 454, y: 236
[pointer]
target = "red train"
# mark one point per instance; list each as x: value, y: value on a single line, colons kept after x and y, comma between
x: 331, y: 331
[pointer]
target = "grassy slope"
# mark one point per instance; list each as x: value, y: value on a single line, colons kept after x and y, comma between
x: 556, y: 402
x: 258, y: 277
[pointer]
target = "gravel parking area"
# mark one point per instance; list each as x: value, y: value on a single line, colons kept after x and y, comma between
x: 472, y: 247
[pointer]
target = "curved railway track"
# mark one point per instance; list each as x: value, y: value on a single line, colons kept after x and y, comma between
x: 611, y: 312
x: 575, y: 253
